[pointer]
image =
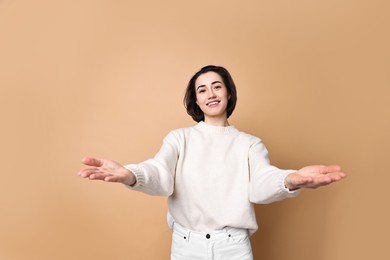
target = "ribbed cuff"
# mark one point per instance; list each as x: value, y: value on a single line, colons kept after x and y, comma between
x: 139, y: 176
x: 291, y: 193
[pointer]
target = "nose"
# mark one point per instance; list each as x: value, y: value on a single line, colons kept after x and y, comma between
x: 211, y: 94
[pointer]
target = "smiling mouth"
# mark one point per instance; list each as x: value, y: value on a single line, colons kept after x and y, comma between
x: 213, y: 103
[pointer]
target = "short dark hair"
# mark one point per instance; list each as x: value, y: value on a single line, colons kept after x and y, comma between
x: 190, y: 96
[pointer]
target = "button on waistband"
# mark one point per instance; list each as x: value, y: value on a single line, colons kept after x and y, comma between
x: 208, y: 236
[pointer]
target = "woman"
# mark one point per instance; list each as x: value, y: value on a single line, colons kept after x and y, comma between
x: 213, y: 174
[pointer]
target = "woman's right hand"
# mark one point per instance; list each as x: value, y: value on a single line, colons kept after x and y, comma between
x: 106, y: 170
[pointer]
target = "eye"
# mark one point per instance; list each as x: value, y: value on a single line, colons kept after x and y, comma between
x: 201, y: 91
x: 218, y: 87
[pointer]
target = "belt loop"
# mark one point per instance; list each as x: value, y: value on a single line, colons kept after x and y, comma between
x: 188, y: 236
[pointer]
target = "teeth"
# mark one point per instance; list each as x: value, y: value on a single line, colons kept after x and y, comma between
x: 213, y: 103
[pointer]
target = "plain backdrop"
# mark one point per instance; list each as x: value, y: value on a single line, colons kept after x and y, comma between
x: 106, y: 78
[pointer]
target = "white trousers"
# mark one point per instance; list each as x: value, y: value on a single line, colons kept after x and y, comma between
x: 225, y: 244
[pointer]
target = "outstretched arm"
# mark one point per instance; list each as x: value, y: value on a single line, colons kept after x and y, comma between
x: 106, y: 170
x: 314, y: 176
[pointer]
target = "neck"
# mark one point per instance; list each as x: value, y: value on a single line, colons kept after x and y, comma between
x: 216, y: 121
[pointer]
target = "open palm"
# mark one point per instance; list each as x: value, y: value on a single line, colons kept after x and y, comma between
x: 106, y: 170
x: 314, y: 176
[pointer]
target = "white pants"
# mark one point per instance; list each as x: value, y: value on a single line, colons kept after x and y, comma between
x: 225, y: 244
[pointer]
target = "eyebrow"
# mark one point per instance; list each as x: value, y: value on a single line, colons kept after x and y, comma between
x: 212, y: 83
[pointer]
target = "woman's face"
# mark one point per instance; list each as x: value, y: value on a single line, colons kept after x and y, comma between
x: 212, y: 96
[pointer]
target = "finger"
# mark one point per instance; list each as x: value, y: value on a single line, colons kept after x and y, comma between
x: 326, y: 179
x: 98, y: 176
x: 90, y: 161
x: 302, y: 181
x: 323, y: 180
x: 90, y: 173
x: 112, y: 179
x: 336, y: 176
x: 329, y: 169
x: 85, y: 172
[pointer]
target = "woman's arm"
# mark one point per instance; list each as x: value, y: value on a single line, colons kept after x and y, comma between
x: 267, y: 182
x: 154, y: 176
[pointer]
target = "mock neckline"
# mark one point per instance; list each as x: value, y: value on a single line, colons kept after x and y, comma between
x: 204, y: 127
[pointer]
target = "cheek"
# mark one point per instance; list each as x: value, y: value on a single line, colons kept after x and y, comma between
x: 197, y: 100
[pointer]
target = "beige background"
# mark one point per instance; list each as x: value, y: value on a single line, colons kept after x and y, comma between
x: 106, y: 78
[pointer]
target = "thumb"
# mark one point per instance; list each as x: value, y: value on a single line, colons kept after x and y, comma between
x: 90, y: 161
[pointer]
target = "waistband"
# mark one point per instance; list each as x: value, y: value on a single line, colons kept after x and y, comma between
x: 212, y: 235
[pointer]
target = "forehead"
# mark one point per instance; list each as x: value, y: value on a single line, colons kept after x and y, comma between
x: 208, y: 78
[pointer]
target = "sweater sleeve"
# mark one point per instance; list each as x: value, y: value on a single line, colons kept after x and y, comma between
x: 156, y: 176
x: 266, y: 181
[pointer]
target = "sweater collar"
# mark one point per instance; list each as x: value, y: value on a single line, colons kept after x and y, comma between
x: 202, y: 126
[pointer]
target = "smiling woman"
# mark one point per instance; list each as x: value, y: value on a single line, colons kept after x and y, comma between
x: 212, y: 174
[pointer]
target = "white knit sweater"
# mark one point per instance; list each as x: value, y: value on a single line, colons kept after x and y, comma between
x: 212, y: 176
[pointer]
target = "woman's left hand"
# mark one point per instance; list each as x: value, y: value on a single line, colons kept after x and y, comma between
x: 314, y: 176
